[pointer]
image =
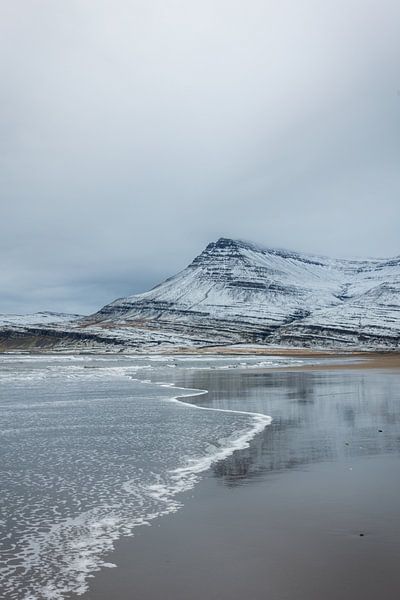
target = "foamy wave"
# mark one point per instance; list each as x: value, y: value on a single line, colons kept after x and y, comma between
x: 64, y: 555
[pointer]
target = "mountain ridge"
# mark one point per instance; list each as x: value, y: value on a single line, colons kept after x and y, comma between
x: 236, y: 291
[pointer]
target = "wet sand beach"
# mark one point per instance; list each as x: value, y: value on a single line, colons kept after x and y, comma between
x: 365, y: 360
x: 310, y: 511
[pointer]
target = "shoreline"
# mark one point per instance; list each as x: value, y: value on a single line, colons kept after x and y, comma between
x: 306, y: 524
x: 288, y: 352
x: 374, y: 359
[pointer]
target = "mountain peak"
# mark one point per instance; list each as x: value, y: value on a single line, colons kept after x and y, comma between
x: 224, y: 243
x: 222, y: 249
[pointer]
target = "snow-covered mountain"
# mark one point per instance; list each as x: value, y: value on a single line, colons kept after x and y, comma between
x: 236, y: 292
x: 239, y: 291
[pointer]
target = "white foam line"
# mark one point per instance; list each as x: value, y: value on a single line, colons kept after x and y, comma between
x: 243, y: 441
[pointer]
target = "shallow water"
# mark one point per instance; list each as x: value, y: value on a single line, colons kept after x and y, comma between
x: 336, y: 416
x: 92, y: 448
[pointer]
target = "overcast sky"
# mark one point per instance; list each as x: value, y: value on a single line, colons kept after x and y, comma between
x: 132, y: 133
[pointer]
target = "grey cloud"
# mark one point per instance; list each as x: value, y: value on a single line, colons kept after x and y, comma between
x: 133, y: 133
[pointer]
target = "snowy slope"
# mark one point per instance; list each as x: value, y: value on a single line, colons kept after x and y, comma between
x: 245, y: 292
x: 371, y: 315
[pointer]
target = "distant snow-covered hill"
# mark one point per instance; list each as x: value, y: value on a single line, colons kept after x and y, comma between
x: 39, y: 318
x: 239, y: 292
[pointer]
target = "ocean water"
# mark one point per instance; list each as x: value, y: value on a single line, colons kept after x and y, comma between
x: 93, y: 447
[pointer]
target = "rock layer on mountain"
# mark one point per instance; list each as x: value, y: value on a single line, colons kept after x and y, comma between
x: 236, y: 291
